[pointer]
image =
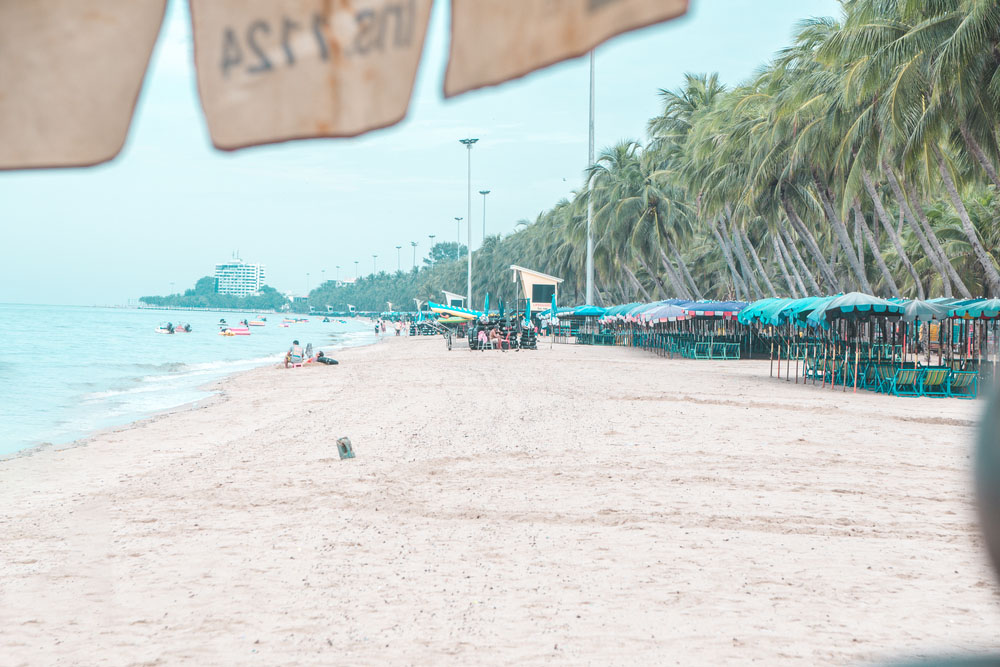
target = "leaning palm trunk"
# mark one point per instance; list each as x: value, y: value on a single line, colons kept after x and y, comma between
x: 925, y: 245
x: 859, y: 220
x: 680, y: 287
x: 977, y: 151
x: 918, y: 210
x: 636, y: 283
x: 780, y: 260
x: 840, y: 230
x: 892, y: 232
x: 992, y: 277
x: 741, y: 255
x: 757, y: 262
x: 661, y: 288
x: 826, y: 271
x: 798, y: 264
x: 739, y: 286
x: 684, y: 269
x: 790, y: 263
x: 679, y: 283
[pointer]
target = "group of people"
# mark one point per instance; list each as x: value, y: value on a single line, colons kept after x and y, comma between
x: 398, y: 326
x: 296, y: 356
x: 492, y: 337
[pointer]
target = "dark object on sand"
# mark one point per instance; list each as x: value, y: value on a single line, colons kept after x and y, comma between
x: 988, y: 478
x: 321, y: 358
x: 344, y: 448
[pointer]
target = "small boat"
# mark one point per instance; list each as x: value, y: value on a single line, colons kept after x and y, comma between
x: 164, y: 330
x: 258, y: 323
x: 342, y: 321
x: 236, y: 331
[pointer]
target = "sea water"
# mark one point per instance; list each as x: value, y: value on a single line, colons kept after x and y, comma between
x: 68, y: 371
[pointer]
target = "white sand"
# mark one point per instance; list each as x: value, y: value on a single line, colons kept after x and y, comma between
x: 579, y: 505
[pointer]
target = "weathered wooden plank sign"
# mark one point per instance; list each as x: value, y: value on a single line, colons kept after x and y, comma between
x: 70, y: 75
x: 493, y: 41
x: 275, y: 70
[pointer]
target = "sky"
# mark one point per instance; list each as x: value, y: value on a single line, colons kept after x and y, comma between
x: 170, y: 206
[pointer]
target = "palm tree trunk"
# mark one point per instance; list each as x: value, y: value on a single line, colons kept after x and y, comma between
x: 636, y: 283
x: 840, y: 230
x: 741, y: 255
x: 992, y: 277
x: 680, y: 285
x: 826, y: 271
x: 684, y: 269
x: 737, y: 280
x: 925, y: 245
x: 790, y: 263
x: 918, y: 210
x: 798, y: 264
x: 680, y: 288
x: 977, y: 151
x: 891, y: 231
x: 662, y: 289
x: 757, y: 263
x: 779, y: 258
x: 859, y: 220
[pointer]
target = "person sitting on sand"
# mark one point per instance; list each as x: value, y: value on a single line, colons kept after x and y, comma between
x: 322, y: 359
x: 295, y: 355
x: 483, y: 339
x: 495, y: 338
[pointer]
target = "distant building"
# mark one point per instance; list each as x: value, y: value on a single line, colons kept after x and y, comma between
x: 239, y: 278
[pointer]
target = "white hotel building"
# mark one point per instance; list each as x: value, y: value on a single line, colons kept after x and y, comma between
x: 239, y: 278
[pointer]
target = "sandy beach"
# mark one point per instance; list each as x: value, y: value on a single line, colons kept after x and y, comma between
x: 575, y: 505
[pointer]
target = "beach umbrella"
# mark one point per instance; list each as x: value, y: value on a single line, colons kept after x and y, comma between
x: 980, y: 309
x: 486, y: 304
x: 925, y: 311
x: 664, y: 313
x: 855, y: 306
x: 753, y: 310
x: 725, y: 309
x: 588, y: 311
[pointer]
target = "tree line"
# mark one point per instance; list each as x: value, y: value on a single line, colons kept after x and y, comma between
x: 861, y: 157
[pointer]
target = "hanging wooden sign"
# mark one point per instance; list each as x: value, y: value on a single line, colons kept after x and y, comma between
x: 275, y: 70
x: 70, y: 75
x: 493, y: 41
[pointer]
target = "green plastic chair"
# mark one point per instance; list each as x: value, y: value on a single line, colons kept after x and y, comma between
x: 934, y: 382
x: 963, y: 384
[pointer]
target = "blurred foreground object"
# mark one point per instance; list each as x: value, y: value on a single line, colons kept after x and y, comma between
x: 70, y: 75
x: 493, y: 41
x: 273, y: 71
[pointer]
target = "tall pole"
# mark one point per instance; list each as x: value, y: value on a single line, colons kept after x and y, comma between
x: 374, y: 257
x: 414, y: 244
x: 458, y: 238
x: 468, y: 296
x: 590, y: 197
x: 484, y: 193
x: 338, y: 273
x: 397, y: 258
x: 356, y: 274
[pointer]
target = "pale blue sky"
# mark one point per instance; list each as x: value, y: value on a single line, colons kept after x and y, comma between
x: 170, y: 206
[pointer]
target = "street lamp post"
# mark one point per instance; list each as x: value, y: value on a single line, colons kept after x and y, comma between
x: 355, y: 269
x: 414, y: 244
x: 338, y: 273
x: 590, y: 194
x: 374, y: 257
x: 468, y: 144
x: 484, y: 193
x: 397, y: 258
x: 307, y: 283
x: 458, y: 237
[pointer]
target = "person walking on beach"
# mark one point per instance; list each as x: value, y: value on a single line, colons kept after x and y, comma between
x: 399, y: 327
x: 378, y: 327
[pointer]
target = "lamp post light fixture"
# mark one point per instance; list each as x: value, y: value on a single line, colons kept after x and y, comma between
x: 484, y: 193
x: 374, y: 257
x: 307, y: 283
x: 397, y: 258
x: 355, y: 269
x: 338, y: 273
x: 468, y: 143
x: 414, y: 244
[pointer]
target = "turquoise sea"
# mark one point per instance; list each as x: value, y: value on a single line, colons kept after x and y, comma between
x: 68, y: 371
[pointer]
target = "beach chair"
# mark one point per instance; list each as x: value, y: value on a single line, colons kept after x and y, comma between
x: 963, y: 384
x: 702, y: 351
x: 905, y: 382
x: 934, y: 382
